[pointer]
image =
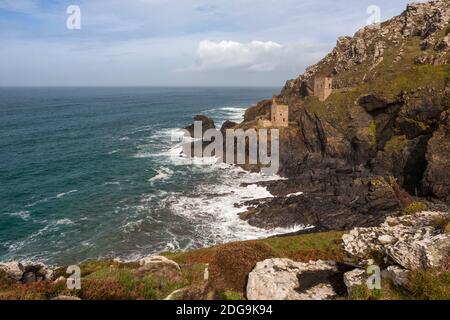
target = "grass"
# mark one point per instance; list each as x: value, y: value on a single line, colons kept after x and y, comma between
x: 415, y: 207
x: 442, y: 224
x: 396, y: 144
x: 307, y: 247
x: 230, y: 296
x: 233, y: 262
x: 430, y: 284
x: 373, y: 132
x: 393, y: 78
x: 229, y: 265
x: 388, y: 291
x: 107, y: 279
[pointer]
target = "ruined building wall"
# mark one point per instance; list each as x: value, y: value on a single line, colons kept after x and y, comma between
x: 323, y: 86
x: 280, y: 115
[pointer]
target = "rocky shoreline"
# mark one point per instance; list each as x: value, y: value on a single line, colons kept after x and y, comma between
x: 371, y: 161
x: 379, y: 144
x: 399, y: 249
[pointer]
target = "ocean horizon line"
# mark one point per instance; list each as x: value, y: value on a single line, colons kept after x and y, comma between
x: 136, y: 86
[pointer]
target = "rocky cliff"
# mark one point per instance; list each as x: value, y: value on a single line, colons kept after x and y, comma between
x: 384, y: 129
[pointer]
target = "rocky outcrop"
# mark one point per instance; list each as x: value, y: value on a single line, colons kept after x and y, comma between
x: 207, y: 123
x: 412, y: 241
x: 226, y: 126
x: 27, y: 273
x: 437, y: 175
x: 372, y: 102
x: 398, y: 276
x: 374, y: 137
x: 158, y: 263
x: 426, y: 21
x: 399, y: 246
x: 284, y: 279
x: 354, y: 278
x: 13, y: 269
x: 351, y: 202
x: 378, y: 141
x: 261, y: 109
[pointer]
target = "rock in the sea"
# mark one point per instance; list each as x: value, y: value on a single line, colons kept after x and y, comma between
x: 157, y: 263
x: 13, y: 269
x: 227, y: 125
x: 284, y: 279
x: 354, y: 278
x: 411, y: 241
x: 398, y: 276
x: 207, y: 123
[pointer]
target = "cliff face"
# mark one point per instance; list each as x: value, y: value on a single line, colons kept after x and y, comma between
x: 420, y: 32
x: 384, y: 127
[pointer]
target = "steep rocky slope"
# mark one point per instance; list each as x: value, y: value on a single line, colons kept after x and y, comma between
x: 384, y: 128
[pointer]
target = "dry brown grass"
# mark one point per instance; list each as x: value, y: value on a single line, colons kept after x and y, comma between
x: 42, y: 290
x: 233, y: 262
x: 229, y: 266
x: 103, y: 289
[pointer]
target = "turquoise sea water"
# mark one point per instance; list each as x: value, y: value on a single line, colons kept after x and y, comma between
x: 93, y: 172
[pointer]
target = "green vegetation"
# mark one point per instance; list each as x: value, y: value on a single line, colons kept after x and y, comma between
x: 107, y: 279
x: 302, y: 248
x: 230, y: 296
x: 394, y: 77
x: 415, y: 207
x: 373, y: 132
x: 382, y: 182
x: 423, y: 285
x: 442, y: 224
x: 229, y: 265
x: 430, y: 284
x: 396, y: 144
x: 388, y: 291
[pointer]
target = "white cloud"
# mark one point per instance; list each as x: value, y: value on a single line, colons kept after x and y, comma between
x: 232, y: 55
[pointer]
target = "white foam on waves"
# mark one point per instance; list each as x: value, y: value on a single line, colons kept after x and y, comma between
x: 213, y: 212
x: 24, y: 215
x: 162, y: 174
x: 58, y: 196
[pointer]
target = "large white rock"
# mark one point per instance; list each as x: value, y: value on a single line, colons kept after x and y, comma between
x: 284, y: 279
x: 398, y: 276
x: 411, y: 241
x: 13, y: 269
x: 48, y: 273
x: 386, y: 239
x: 354, y: 278
x: 157, y: 262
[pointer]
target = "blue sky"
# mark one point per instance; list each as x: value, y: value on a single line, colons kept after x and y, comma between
x: 173, y: 42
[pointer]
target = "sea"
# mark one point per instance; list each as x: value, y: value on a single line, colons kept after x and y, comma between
x: 89, y: 173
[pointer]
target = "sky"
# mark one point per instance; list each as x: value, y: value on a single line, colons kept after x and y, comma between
x: 173, y: 42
